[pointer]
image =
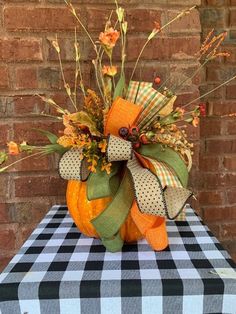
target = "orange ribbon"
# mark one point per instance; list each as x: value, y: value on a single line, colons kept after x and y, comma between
x: 124, y: 114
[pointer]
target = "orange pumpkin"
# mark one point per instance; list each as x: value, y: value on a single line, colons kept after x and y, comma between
x: 83, y: 211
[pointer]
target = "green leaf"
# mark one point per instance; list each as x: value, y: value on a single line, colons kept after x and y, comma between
x: 3, y: 157
x: 51, y: 137
x: 119, y: 87
x: 54, y: 148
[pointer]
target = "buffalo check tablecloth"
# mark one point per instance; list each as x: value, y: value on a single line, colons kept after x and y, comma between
x: 59, y: 270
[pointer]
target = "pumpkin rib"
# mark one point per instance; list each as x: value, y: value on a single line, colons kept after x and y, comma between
x: 83, y: 211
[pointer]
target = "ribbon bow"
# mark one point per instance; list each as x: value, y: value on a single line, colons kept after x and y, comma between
x: 148, y: 183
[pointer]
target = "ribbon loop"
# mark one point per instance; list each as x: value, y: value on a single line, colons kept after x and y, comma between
x: 148, y: 189
x: 71, y: 167
x: 118, y: 149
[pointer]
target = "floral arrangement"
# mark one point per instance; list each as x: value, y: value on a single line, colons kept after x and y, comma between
x: 125, y: 135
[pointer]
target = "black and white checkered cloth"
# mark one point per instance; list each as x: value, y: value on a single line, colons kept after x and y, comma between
x: 59, y: 270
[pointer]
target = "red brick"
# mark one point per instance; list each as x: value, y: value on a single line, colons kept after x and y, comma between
x: 39, y: 186
x: 217, y: 3
x: 4, y: 186
x: 26, y: 78
x: 232, y: 51
x: 231, y: 92
x: 25, y: 49
x: 229, y: 163
x: 220, y: 73
x: 63, y: 101
x: 27, y: 212
x: 209, y: 163
x: 221, y: 146
x: 4, y: 216
x: 210, y: 126
x: 223, y: 108
x: 212, y: 180
x: 4, y: 77
x: 67, y: 50
x: 4, y: 131
x: 179, y: 2
x: 49, y: 78
x: 189, y: 23
x: 230, y: 179
x: 214, y: 214
x: 229, y: 230
x: 213, y: 16
x: 231, y: 126
x: 180, y: 48
x: 25, y: 231
x: 231, y: 196
x: 211, y: 197
x: 27, y: 104
x: 31, y: 164
x: 24, y: 131
x: 216, y: 95
x: 232, y: 17
x: 8, y: 236
x: 38, y: 19
x: 139, y: 20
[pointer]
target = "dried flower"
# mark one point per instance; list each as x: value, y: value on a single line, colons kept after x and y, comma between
x: 65, y: 141
x: 93, y: 165
x: 195, y: 121
x: 157, y: 26
x: 109, y: 38
x: 179, y: 112
x: 56, y: 45
x: 109, y: 70
x: 103, y: 146
x: 13, y: 148
x: 106, y: 166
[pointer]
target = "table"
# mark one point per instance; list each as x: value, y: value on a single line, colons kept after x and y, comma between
x: 59, y: 270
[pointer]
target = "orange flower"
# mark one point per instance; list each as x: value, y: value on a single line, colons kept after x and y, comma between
x: 109, y: 38
x: 109, y: 70
x: 93, y: 165
x: 69, y: 130
x: 180, y: 111
x: 13, y: 148
x: 65, y: 141
x: 107, y: 167
x: 103, y: 145
x: 195, y: 121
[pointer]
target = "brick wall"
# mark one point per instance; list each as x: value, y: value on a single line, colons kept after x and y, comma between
x: 218, y: 133
x: 28, y: 65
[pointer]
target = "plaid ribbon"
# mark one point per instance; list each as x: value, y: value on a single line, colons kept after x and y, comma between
x: 143, y: 94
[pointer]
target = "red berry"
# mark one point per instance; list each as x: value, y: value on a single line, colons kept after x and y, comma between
x: 134, y: 130
x: 136, y: 145
x: 123, y: 132
x: 202, y: 108
x: 157, y: 80
x: 143, y: 138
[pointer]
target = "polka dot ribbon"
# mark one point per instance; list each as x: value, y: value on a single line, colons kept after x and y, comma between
x: 151, y: 197
x: 72, y: 167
